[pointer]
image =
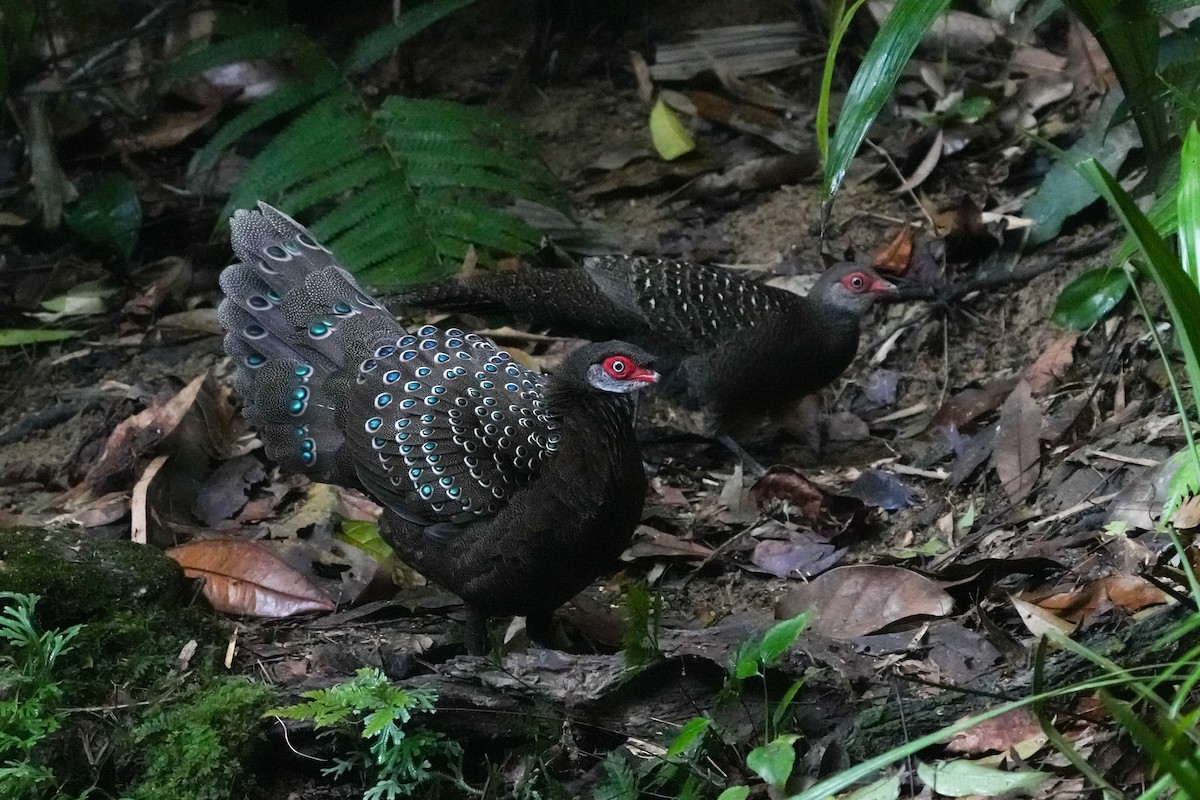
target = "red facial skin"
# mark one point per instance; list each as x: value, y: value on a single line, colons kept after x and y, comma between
x: 862, y: 283
x: 623, y: 369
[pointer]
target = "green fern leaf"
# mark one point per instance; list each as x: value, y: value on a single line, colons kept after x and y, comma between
x: 259, y: 44
x: 379, y: 43
x: 285, y: 99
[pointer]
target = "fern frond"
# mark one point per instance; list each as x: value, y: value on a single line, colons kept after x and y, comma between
x: 409, y: 187
x: 378, y: 44
x: 259, y: 44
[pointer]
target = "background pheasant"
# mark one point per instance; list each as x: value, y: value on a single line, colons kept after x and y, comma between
x: 729, y: 345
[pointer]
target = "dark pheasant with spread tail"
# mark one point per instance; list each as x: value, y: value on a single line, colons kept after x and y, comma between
x: 511, y: 489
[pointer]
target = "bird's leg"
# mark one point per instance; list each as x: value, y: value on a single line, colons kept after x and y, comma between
x: 476, y: 635
x: 750, y: 465
x: 542, y: 631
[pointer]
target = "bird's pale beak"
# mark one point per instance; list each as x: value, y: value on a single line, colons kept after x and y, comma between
x: 881, y: 286
x: 646, y: 376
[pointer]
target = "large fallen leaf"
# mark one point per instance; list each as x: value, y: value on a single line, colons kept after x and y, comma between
x: 243, y: 578
x: 964, y: 778
x: 651, y: 543
x: 857, y: 600
x: 999, y: 734
x: 970, y: 404
x: 1016, y: 450
x: 1128, y: 593
x: 1039, y: 621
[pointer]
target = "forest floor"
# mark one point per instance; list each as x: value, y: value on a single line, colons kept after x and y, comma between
x: 883, y: 506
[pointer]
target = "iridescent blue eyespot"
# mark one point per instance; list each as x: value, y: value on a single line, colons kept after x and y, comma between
x: 412, y: 386
x: 391, y: 377
x: 454, y: 492
x: 378, y: 443
x: 428, y: 344
x: 429, y: 447
x: 257, y: 302
x: 449, y: 374
x: 487, y: 385
x: 255, y: 360
x: 423, y: 371
x: 409, y: 403
x: 278, y: 253
x: 300, y: 393
x: 406, y: 341
x: 439, y: 390
x: 342, y: 308
x: 291, y: 247
x: 302, y: 431
x: 442, y: 358
x: 405, y: 449
x: 426, y: 491
x: 402, y: 436
x: 402, y: 422
x: 431, y: 400
x: 454, y: 343
x: 490, y: 367
x: 308, y: 445
x: 368, y: 365
x: 385, y: 351
x: 512, y: 387
x: 273, y: 295
x: 296, y: 407
x: 433, y: 459
x: 408, y: 355
x: 382, y: 399
x: 465, y: 356
x: 414, y: 473
x: 427, y: 419
x: 254, y: 331
x: 308, y: 458
x: 319, y: 330
x: 453, y: 332
x: 428, y: 330
x: 374, y: 423
x: 302, y: 371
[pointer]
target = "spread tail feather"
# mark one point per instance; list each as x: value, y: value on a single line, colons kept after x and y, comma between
x: 298, y: 326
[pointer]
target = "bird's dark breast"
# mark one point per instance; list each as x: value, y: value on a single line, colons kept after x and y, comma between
x: 552, y: 538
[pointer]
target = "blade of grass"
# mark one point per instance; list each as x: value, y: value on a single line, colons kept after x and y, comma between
x: 889, y: 52
x: 839, y: 22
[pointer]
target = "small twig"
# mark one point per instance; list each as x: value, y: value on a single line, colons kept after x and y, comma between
x: 718, y: 551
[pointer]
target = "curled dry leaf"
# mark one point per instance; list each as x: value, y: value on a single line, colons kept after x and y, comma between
x: 789, y: 485
x: 1039, y: 621
x: 1127, y: 593
x: 651, y: 543
x: 244, y: 578
x: 1045, y: 373
x: 970, y: 404
x: 861, y: 599
x: 999, y: 734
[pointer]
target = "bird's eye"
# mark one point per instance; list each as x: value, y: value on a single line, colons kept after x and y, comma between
x: 616, y: 366
x: 858, y: 281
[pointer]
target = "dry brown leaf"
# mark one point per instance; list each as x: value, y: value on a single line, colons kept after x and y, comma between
x: 894, y: 256
x: 1045, y: 373
x: 1128, y: 593
x: 243, y: 578
x: 1038, y: 620
x: 138, y: 434
x: 997, y: 735
x: 790, y: 485
x: 168, y: 129
x: 1016, y: 450
x: 861, y: 599
x: 970, y: 404
x: 651, y: 543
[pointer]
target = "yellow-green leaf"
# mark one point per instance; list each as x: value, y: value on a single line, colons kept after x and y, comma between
x: 671, y: 138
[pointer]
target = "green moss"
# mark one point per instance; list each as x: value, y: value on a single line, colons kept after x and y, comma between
x: 201, y: 745
x: 132, y: 600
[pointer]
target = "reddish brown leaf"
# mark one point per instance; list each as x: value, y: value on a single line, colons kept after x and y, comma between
x: 1016, y: 451
x: 651, y: 543
x: 857, y: 600
x: 1045, y: 373
x: 894, y: 256
x: 997, y: 735
x: 243, y: 578
x: 970, y: 404
x: 1125, y: 592
x: 789, y: 484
